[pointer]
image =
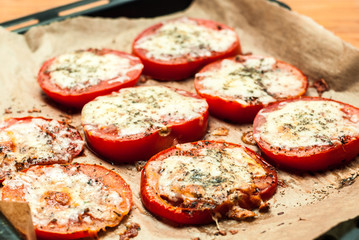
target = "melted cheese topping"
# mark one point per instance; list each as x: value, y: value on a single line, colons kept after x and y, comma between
x: 85, y: 196
x: 37, y: 141
x: 138, y: 110
x: 249, y: 81
x: 307, y: 123
x: 185, y: 37
x: 83, y: 69
x: 213, y: 175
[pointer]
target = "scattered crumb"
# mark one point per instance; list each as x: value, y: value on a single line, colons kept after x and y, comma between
x: 8, y: 110
x: 139, y: 165
x: 20, y: 111
x: 143, y: 79
x: 196, y: 238
x: 66, y: 116
x: 220, y: 131
x: 264, y: 207
x: 321, y: 86
x: 280, y: 213
x: 221, y: 232
x: 131, y: 231
x: 247, y: 138
x: 247, y: 54
x: 282, y: 183
x: 34, y: 110
x: 233, y: 231
x: 348, y: 181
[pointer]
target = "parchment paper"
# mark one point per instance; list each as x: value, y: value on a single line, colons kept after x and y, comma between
x: 305, y: 205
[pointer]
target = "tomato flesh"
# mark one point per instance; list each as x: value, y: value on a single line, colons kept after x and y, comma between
x: 78, y: 97
x: 142, y: 146
x: 76, y: 229
x: 338, y: 150
x: 239, y: 108
x: 198, y: 212
x: 184, y: 66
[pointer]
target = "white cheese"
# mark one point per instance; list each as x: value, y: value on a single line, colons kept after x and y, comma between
x: 251, y: 80
x: 141, y: 109
x: 210, y: 175
x: 185, y: 37
x: 36, y: 141
x: 307, y: 123
x: 84, y: 195
x: 83, y: 69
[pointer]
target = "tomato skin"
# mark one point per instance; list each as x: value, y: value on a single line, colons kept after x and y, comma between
x: 77, y: 99
x: 109, y: 178
x: 143, y: 146
x: 180, y: 68
x: 156, y: 204
x: 228, y: 108
x: 310, y: 159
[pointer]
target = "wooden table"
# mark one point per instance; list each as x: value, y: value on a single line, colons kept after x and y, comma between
x: 338, y: 16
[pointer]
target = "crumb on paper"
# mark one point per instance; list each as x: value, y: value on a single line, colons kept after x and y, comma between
x: 282, y: 183
x: 233, y: 231
x: 247, y: 138
x: 220, y: 131
x: 34, y: 110
x: 66, y: 116
x: 221, y: 232
x: 143, y: 79
x: 348, y: 181
x: 321, y: 86
x: 139, y: 165
x: 8, y: 110
x: 131, y: 231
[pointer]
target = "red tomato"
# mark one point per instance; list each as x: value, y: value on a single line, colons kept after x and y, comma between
x: 194, y: 182
x: 31, y: 141
x: 237, y: 88
x: 71, y: 212
x: 136, y: 123
x: 179, y: 51
x: 308, y: 133
x: 86, y: 74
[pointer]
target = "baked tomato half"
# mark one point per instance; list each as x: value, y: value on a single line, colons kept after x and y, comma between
x: 136, y: 123
x: 195, y: 183
x: 76, y: 78
x: 70, y: 201
x: 31, y: 141
x: 178, y: 48
x: 308, y: 133
x: 237, y: 88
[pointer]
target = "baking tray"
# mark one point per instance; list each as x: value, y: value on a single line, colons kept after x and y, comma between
x: 134, y: 9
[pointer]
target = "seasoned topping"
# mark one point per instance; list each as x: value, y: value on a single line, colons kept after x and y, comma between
x: 141, y: 110
x: 308, y: 123
x: 251, y: 80
x: 184, y: 37
x: 213, y: 175
x: 83, y: 69
x: 65, y: 196
x: 37, y: 141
